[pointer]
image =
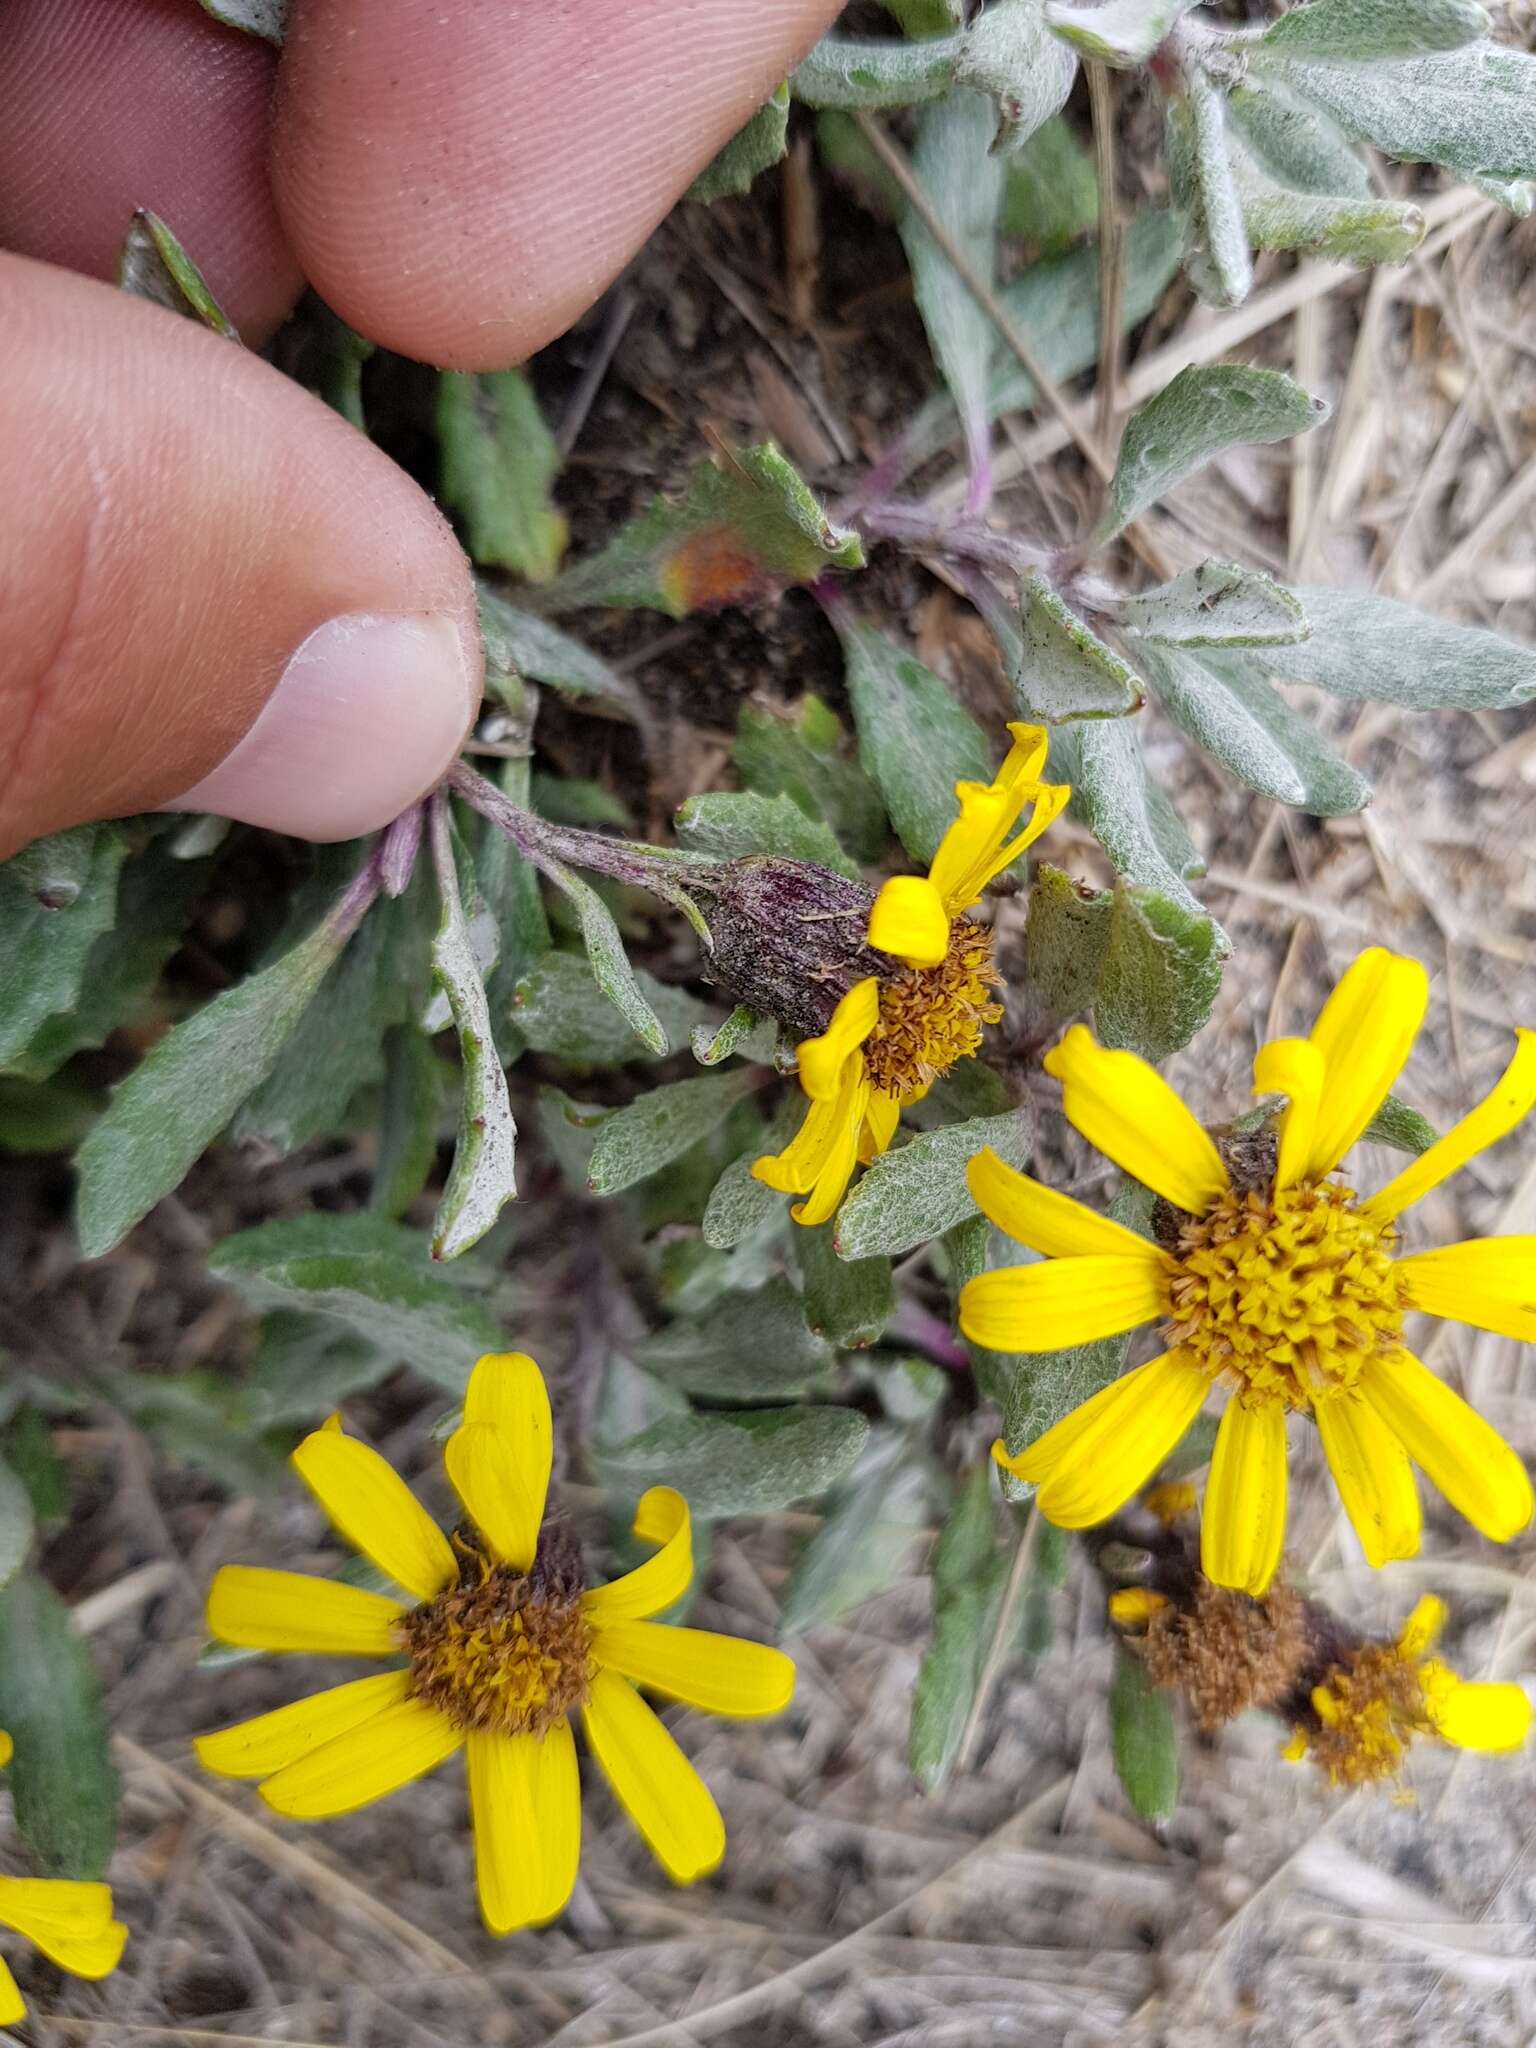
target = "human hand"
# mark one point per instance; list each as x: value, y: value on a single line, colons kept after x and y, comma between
x: 217, y: 595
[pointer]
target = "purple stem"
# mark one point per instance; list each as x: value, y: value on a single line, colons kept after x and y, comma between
x: 395, y: 855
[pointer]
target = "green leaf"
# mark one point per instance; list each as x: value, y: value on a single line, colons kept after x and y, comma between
x: 967, y: 1581
x: 38, y: 1117
x: 57, y: 897
x: 1125, y: 812
x: 847, y: 1301
x: 746, y: 1347
x: 740, y: 1464
x: 1142, y: 1740
x: 1217, y: 604
x: 1255, y: 734
x: 964, y: 186
x: 1198, y: 414
x: 16, y: 1524
x: 1204, y: 189
x: 1344, y: 230
x: 1122, y: 33
x: 64, y: 1791
x: 531, y: 646
x: 30, y: 1454
x: 304, y: 1368
x: 1472, y: 109
x: 1057, y: 306
x: 739, y: 1204
x: 1402, y: 1128
x: 915, y: 740
x: 408, y: 1120
x: 731, y: 825
x: 559, y: 1009
x: 860, y: 71
x: 1065, y: 670
x: 187, y: 1088
x: 1051, y: 192
x: 654, y: 1129
x: 483, y: 1178
x: 871, y: 1522
x: 918, y: 1191
x: 371, y: 1277
x: 1147, y: 968
x: 1294, y: 143
x: 498, y: 462
x: 748, y: 526
x: 265, y: 18
x: 745, y: 1032
x: 1340, y: 31
x: 153, y: 265
x: 609, y: 961
x: 1364, y: 646
x: 756, y: 147
x: 188, y: 1419
x: 927, y: 17
x: 799, y: 755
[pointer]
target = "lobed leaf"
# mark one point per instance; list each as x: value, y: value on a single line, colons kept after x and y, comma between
x: 1217, y: 604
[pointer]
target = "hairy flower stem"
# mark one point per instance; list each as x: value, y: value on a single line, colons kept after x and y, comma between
x: 546, y: 846
x: 968, y: 538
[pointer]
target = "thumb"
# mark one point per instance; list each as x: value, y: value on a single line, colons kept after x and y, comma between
x: 217, y: 595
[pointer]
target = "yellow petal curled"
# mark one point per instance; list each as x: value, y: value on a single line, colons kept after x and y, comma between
x: 662, y: 1518
x: 819, y: 1160
x: 722, y: 1674
x: 257, y: 1609
x: 1486, y: 1717
x: 13, y: 2007
x: 70, y: 1922
x: 525, y: 1803
x: 1129, y: 1112
x: 1489, y: 1282
x: 654, y: 1782
x: 909, y: 920
x: 1365, y: 1032
x: 977, y: 847
x: 1464, y: 1456
x: 403, y: 1742
x: 1242, y: 1528
x: 270, y: 1742
x: 374, y: 1509
x: 507, y: 1394
x: 1509, y: 1100
x: 1292, y: 1067
x: 1050, y: 1223
x: 1062, y: 1302
x: 821, y: 1060
x: 1373, y: 1474
x: 1093, y: 1460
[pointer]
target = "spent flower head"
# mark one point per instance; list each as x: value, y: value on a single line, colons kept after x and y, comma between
x: 500, y: 1643
x: 1287, y: 1293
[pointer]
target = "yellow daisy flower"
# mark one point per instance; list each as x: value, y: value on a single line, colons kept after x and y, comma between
x: 71, y: 1923
x: 1287, y: 1292
x: 502, y: 1646
x: 892, y: 1035
x: 1373, y: 1703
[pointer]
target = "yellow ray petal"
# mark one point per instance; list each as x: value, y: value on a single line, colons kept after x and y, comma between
x: 821, y: 1060
x: 1061, y: 1302
x: 7, y: 1749
x: 1046, y: 1221
x: 1365, y: 1033
x: 1093, y: 1460
x: 374, y: 1509
x: 1464, y: 1456
x: 70, y: 1922
x: 1486, y: 1717
x: 257, y: 1609
x: 507, y: 1393
x: 1242, y: 1527
x: 13, y: 2007
x: 1487, y: 1281
x: 525, y: 1801
x: 403, y: 1742
x: 1509, y: 1100
x: 1421, y: 1631
x: 661, y: 1517
x: 654, y: 1782
x: 721, y: 1674
x: 1129, y: 1112
x: 842, y: 1155
x: 881, y: 1116
x: 1292, y: 1067
x: 257, y: 1748
x: 489, y: 1478
x: 909, y: 920
x: 1373, y: 1474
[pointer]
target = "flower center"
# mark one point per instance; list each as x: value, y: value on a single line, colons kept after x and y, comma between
x: 1225, y: 1652
x: 932, y: 1016
x: 1368, y: 1711
x: 1286, y: 1295
x: 504, y: 1650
